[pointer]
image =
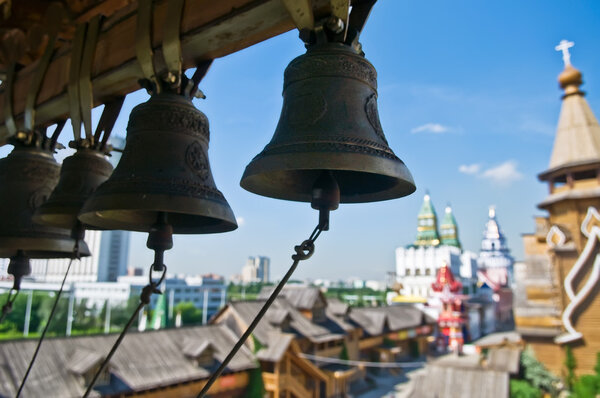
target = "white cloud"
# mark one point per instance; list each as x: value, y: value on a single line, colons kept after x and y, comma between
x: 470, y: 169
x: 240, y: 221
x: 504, y: 173
x: 435, y: 128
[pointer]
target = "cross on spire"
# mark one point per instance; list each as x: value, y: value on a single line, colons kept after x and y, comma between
x: 564, y: 46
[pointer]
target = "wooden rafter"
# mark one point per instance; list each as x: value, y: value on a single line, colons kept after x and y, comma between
x: 209, y: 29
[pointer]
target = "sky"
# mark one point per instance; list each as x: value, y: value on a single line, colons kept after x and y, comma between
x: 468, y: 99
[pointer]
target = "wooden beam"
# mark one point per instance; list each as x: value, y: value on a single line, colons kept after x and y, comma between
x: 209, y: 29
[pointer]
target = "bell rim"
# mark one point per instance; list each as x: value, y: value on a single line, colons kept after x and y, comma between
x: 130, y: 202
x: 36, y: 250
x: 279, y: 164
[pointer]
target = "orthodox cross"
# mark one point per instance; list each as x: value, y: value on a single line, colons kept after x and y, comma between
x: 564, y: 46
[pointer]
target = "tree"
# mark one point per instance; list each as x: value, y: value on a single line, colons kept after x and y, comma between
x: 344, y: 353
x: 570, y: 365
x: 536, y: 373
x: 522, y: 389
x: 190, y: 315
x: 256, y: 386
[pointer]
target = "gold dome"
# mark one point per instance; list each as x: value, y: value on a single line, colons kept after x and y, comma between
x: 570, y: 76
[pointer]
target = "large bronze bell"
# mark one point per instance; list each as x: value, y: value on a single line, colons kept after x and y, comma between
x: 80, y: 175
x: 27, y: 177
x: 164, y: 169
x: 329, y: 122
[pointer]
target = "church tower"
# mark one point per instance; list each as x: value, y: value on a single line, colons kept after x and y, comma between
x: 565, y: 250
x: 495, y: 262
x: 427, y: 230
x: 449, y: 229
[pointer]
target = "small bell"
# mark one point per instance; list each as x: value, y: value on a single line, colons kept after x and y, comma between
x: 164, y: 169
x: 329, y: 122
x: 80, y: 175
x: 27, y: 177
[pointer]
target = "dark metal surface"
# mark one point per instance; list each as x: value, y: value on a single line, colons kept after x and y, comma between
x: 80, y: 175
x: 27, y: 177
x: 164, y: 168
x: 329, y: 121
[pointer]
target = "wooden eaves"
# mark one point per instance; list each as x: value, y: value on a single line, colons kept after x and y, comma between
x: 209, y: 29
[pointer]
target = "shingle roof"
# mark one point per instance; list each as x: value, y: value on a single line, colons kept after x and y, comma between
x: 144, y: 360
x: 278, y: 344
x: 375, y: 320
x: 456, y: 377
x: 337, y: 306
x: 302, y: 326
x: 301, y: 297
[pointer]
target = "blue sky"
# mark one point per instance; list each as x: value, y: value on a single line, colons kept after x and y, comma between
x: 463, y: 85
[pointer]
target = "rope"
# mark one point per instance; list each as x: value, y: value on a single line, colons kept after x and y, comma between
x: 7, y: 307
x: 303, y: 252
x: 39, y: 344
x: 362, y: 363
x: 145, y: 296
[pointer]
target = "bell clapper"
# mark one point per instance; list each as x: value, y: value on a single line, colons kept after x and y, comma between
x: 325, y: 197
x: 160, y: 238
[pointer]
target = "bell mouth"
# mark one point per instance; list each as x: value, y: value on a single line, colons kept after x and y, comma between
x: 46, y: 248
x: 378, y: 180
x: 136, y: 212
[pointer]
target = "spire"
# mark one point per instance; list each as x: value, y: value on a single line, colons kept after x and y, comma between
x: 449, y: 229
x: 578, y: 134
x: 427, y: 232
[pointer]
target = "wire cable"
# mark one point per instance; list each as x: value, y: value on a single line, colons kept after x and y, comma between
x: 365, y: 364
x: 145, y: 296
x: 114, y: 348
x: 54, y: 306
x: 7, y: 307
x: 303, y: 252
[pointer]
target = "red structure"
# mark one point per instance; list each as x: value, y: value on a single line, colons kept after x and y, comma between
x: 451, y: 318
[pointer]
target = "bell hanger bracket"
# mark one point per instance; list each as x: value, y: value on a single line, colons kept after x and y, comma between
x: 343, y: 25
x: 169, y: 78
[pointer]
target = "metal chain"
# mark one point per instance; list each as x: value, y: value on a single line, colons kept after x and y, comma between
x: 147, y: 291
x: 7, y: 307
x: 303, y: 252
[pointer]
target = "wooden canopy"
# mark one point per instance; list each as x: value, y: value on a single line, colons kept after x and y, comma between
x: 209, y: 29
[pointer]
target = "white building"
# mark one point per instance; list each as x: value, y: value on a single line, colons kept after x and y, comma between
x: 82, y: 270
x: 495, y: 262
x: 257, y: 269
x: 416, y: 268
x: 417, y: 264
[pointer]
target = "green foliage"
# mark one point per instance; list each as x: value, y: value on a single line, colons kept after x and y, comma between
x: 585, y: 387
x: 190, y: 315
x: 257, y: 345
x: 570, y: 365
x: 536, y: 373
x: 344, y: 353
x: 522, y: 389
x: 256, y: 386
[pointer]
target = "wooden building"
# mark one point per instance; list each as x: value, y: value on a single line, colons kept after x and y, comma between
x: 162, y: 363
x: 303, y: 329
x: 557, y: 302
